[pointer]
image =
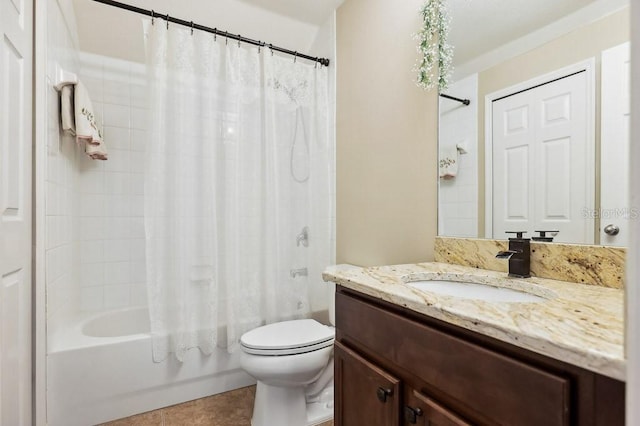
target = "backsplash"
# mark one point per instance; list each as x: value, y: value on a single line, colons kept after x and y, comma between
x: 594, y: 265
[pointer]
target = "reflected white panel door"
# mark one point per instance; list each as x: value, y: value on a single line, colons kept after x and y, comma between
x: 541, y: 161
x: 15, y: 211
x: 513, y: 163
x: 614, y: 146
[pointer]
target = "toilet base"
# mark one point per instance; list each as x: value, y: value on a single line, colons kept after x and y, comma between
x: 267, y: 408
x: 321, y: 410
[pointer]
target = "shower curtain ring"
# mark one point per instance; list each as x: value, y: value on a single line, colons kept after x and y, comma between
x: 167, y: 21
x: 191, y: 27
x: 226, y: 38
x: 239, y: 38
x: 215, y: 34
x: 295, y: 57
x: 153, y: 17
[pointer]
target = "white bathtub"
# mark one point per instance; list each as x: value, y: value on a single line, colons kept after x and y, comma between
x: 100, y: 369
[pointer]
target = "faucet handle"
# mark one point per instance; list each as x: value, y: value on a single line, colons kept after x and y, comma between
x: 518, y: 233
x: 543, y: 236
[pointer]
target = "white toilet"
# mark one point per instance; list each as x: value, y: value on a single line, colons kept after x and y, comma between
x: 293, y: 364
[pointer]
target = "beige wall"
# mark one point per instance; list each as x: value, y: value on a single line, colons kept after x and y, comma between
x: 109, y: 31
x: 579, y: 45
x: 386, y: 137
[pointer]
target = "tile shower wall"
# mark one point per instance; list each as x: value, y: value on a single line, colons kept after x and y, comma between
x: 61, y: 200
x: 458, y: 197
x: 111, y: 203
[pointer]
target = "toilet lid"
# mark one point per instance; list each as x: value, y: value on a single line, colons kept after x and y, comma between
x: 288, y: 338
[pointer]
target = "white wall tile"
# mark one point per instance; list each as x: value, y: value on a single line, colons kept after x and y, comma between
x: 116, y: 137
x: 92, y: 228
x: 139, y: 118
x: 116, y: 115
x: 117, y: 92
x: 91, y: 251
x: 118, y: 161
x: 117, y: 273
x: 138, y: 294
x: 92, y: 274
x: 92, y: 182
x: 117, y: 251
x: 92, y: 298
x: 95, y: 208
x: 92, y: 205
x: 138, y: 139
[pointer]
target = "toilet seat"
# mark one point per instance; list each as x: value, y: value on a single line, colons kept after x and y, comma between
x: 288, y: 338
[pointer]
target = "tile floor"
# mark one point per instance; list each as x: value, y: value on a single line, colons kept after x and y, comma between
x: 226, y: 409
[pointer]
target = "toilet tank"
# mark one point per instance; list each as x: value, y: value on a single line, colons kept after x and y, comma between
x: 331, y: 288
x: 332, y: 303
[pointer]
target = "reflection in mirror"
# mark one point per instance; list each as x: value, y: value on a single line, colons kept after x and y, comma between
x: 543, y: 143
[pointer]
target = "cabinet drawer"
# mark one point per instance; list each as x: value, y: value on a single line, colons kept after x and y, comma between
x: 503, y: 389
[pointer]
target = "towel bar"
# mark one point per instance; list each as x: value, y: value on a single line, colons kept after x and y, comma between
x: 64, y: 78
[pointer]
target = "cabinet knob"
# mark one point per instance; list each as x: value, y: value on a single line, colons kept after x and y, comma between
x: 411, y: 414
x: 383, y: 393
x: 611, y: 229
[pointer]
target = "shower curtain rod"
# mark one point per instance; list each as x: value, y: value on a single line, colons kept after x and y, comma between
x: 193, y: 26
x: 453, y: 98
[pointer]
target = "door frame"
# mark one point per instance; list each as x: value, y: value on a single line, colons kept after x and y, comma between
x: 588, y: 66
x: 39, y: 304
x: 632, y: 339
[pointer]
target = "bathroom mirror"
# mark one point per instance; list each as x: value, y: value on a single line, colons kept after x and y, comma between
x: 543, y: 142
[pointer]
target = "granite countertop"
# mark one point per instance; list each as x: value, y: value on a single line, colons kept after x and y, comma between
x: 576, y: 323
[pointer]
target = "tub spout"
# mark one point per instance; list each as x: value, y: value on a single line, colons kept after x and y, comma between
x: 302, y: 272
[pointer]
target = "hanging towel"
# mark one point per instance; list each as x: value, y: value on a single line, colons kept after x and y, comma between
x: 87, y: 130
x: 67, y: 112
x: 448, y: 161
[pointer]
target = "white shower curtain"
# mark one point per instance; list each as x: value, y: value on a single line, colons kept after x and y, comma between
x: 239, y: 161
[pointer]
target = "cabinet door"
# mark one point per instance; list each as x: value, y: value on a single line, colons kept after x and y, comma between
x: 365, y: 394
x: 424, y: 411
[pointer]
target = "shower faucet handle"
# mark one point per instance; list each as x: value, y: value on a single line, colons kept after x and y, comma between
x: 303, y: 237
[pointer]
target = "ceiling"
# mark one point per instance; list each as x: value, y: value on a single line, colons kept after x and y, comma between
x: 480, y: 26
x: 314, y: 12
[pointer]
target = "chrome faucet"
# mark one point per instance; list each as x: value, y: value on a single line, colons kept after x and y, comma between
x: 303, y: 237
x: 302, y: 272
x: 518, y: 255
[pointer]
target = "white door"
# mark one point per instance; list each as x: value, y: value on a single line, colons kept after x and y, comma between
x: 614, y: 146
x: 15, y: 211
x: 541, y: 161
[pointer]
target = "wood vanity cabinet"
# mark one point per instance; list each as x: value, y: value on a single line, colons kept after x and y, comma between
x: 394, y: 366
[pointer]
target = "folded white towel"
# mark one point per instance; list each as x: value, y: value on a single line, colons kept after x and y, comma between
x: 448, y: 161
x: 67, y: 113
x: 87, y: 130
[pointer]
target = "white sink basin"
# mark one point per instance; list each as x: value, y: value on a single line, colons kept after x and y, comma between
x: 474, y: 291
